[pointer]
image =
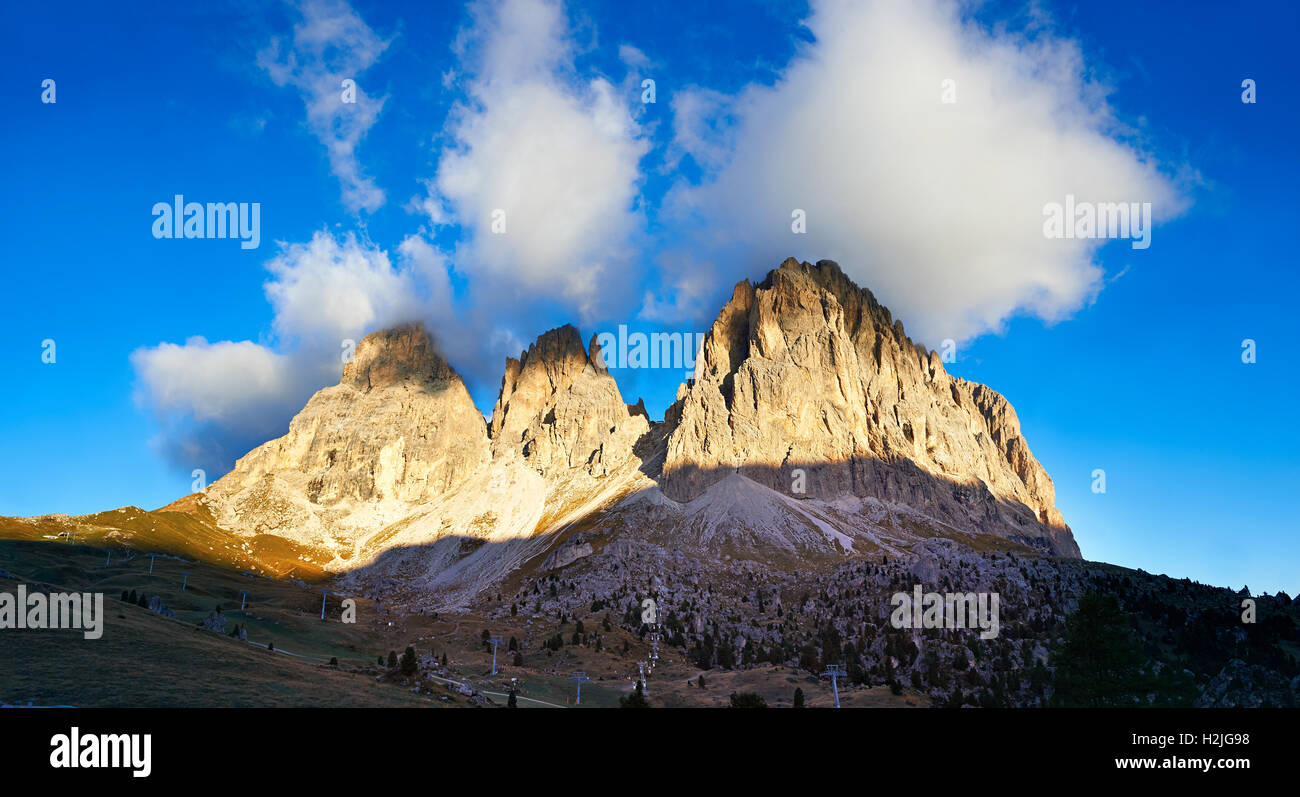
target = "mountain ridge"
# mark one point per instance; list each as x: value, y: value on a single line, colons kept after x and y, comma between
x: 812, y: 429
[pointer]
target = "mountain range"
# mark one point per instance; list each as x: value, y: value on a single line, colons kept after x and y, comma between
x: 813, y: 429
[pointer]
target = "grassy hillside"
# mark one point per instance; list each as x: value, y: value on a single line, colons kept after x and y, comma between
x: 144, y: 659
x: 182, y: 528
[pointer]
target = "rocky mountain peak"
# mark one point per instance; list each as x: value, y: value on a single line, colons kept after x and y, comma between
x: 807, y: 385
x: 390, y: 356
x: 398, y: 428
x: 546, y: 369
x: 558, y: 405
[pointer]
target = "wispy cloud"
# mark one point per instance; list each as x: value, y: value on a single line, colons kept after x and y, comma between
x: 331, y: 44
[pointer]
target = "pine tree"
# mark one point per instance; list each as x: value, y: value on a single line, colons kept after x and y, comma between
x: 956, y: 699
x: 408, y: 661
x: 513, y: 701
x: 798, y: 698
x: 1099, y: 663
x: 747, y: 700
x: 634, y: 700
x: 392, y: 660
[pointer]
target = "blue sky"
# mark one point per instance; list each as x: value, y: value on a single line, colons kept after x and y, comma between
x: 624, y: 212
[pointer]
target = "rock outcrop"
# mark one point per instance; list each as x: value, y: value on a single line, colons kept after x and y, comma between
x: 560, y: 409
x: 215, y: 621
x: 807, y: 385
x: 1242, y: 685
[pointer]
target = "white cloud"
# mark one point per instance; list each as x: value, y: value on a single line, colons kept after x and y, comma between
x: 936, y: 207
x: 430, y: 267
x: 633, y: 58
x: 215, y: 400
x: 557, y: 153
x: 702, y: 127
x: 334, y: 288
x: 693, y: 283
x: 331, y: 44
x: 211, y: 381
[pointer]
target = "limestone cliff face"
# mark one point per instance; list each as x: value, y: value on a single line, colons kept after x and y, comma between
x: 806, y: 372
x: 395, y: 469
x: 560, y: 409
x: 398, y: 429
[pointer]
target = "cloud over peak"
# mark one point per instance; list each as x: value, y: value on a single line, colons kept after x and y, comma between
x: 936, y: 205
x: 216, y: 400
x: 919, y: 147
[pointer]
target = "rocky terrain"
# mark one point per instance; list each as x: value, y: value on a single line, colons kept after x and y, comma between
x: 812, y: 430
x: 1168, y: 642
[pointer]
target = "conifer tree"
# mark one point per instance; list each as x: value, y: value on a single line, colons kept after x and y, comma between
x: 634, y: 700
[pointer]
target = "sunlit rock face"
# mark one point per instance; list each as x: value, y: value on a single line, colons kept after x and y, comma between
x: 807, y: 385
x: 399, y: 426
x: 560, y: 409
